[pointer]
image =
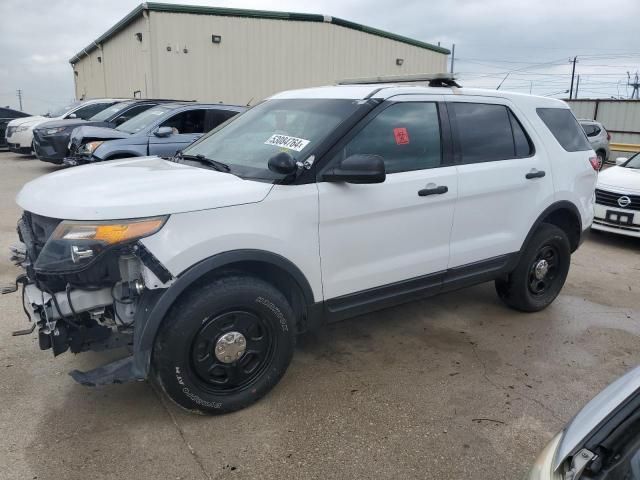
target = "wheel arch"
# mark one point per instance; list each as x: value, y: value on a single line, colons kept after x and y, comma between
x: 272, y: 267
x: 564, y: 215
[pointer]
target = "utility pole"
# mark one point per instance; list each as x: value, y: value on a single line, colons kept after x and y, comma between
x: 635, y: 84
x: 19, y: 92
x: 453, y: 56
x: 577, y: 87
x: 573, y: 72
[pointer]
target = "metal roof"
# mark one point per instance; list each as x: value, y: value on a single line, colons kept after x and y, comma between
x: 237, y: 12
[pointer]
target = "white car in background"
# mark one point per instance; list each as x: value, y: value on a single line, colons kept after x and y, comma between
x: 617, y: 206
x: 19, y: 132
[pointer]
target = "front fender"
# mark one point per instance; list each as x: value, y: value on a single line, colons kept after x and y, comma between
x: 155, y: 304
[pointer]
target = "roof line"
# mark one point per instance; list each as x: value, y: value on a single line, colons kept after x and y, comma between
x: 238, y: 12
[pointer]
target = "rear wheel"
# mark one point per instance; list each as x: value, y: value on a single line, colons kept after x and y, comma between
x: 225, y: 345
x: 540, y: 273
x: 602, y: 156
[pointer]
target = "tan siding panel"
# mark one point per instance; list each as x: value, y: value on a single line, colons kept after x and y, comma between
x: 258, y: 57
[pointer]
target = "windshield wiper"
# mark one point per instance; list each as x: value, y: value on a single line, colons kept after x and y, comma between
x: 219, y: 166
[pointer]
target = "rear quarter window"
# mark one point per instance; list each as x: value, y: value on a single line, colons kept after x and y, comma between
x: 565, y: 128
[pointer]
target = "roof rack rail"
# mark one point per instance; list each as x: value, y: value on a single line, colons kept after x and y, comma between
x: 431, y: 79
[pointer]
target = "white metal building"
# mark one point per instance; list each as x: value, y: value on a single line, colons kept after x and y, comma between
x: 239, y: 56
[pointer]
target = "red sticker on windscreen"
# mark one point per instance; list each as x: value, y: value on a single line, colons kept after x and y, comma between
x: 401, y: 135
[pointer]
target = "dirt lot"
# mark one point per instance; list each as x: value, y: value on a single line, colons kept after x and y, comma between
x: 456, y: 386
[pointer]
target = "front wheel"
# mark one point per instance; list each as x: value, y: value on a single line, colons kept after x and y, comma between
x: 540, y: 273
x: 225, y: 345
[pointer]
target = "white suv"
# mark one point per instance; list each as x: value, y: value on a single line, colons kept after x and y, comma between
x: 313, y: 206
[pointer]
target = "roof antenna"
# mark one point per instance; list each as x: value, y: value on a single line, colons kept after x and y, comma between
x: 249, y: 102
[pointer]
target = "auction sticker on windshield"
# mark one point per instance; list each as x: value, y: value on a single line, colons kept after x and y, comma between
x: 292, y: 143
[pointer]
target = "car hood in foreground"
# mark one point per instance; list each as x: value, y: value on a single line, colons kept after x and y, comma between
x: 134, y: 188
x: 626, y: 180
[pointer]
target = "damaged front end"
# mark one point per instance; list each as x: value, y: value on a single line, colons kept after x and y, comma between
x: 82, y: 284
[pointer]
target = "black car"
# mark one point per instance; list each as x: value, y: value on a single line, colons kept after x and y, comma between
x: 51, y: 139
x: 6, y: 115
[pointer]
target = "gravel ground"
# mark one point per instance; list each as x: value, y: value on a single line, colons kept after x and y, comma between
x: 456, y: 386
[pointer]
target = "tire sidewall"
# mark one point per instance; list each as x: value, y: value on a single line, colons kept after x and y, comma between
x: 553, y: 236
x: 172, y: 352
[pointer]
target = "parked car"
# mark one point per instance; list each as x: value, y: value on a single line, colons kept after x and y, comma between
x: 617, y: 208
x: 601, y: 442
x: 51, y: 139
x: 598, y: 138
x: 7, y: 115
x: 313, y: 206
x: 162, y: 130
x: 20, y: 131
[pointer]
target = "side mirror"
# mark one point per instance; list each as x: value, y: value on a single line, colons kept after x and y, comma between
x: 360, y: 168
x: 120, y: 120
x: 163, y: 132
x: 72, y: 115
x: 621, y: 160
x: 283, y: 163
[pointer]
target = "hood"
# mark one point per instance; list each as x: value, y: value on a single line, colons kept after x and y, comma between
x: 35, y: 121
x: 20, y: 121
x: 96, y: 133
x: 71, y: 122
x: 624, y: 180
x: 134, y: 188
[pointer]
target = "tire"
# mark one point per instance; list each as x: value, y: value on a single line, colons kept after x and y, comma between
x: 528, y: 289
x: 187, y: 362
x: 602, y: 158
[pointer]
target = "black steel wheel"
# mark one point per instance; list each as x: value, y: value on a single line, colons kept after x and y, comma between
x: 541, y: 271
x: 224, y: 345
x: 231, y: 350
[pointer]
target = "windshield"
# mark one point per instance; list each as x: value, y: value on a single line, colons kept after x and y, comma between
x: 633, y: 162
x: 142, y: 121
x: 58, y: 112
x: 109, y: 112
x: 294, y: 126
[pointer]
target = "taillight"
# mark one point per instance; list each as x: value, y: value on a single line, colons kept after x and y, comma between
x: 595, y: 163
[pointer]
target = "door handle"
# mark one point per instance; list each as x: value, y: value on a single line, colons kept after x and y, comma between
x: 535, y: 174
x: 433, y: 191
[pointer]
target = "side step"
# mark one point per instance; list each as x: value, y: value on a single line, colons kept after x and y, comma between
x: 119, y: 371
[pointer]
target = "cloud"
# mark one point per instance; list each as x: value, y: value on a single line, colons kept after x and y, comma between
x: 532, y: 40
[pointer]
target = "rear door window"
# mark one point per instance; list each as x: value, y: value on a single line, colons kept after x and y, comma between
x: 565, y: 128
x: 489, y: 132
x: 216, y: 117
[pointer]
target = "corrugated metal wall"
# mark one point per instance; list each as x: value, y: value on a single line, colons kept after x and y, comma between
x: 621, y: 118
x: 256, y: 58
x: 124, y: 67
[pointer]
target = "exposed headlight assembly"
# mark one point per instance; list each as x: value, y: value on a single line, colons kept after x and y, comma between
x: 73, y: 245
x: 90, y: 147
x: 543, y: 468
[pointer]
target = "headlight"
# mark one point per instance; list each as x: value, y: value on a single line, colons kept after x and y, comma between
x: 53, y: 131
x: 542, y: 469
x: 89, y: 148
x: 74, y: 245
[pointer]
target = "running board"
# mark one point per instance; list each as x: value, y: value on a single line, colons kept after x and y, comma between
x: 119, y: 371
